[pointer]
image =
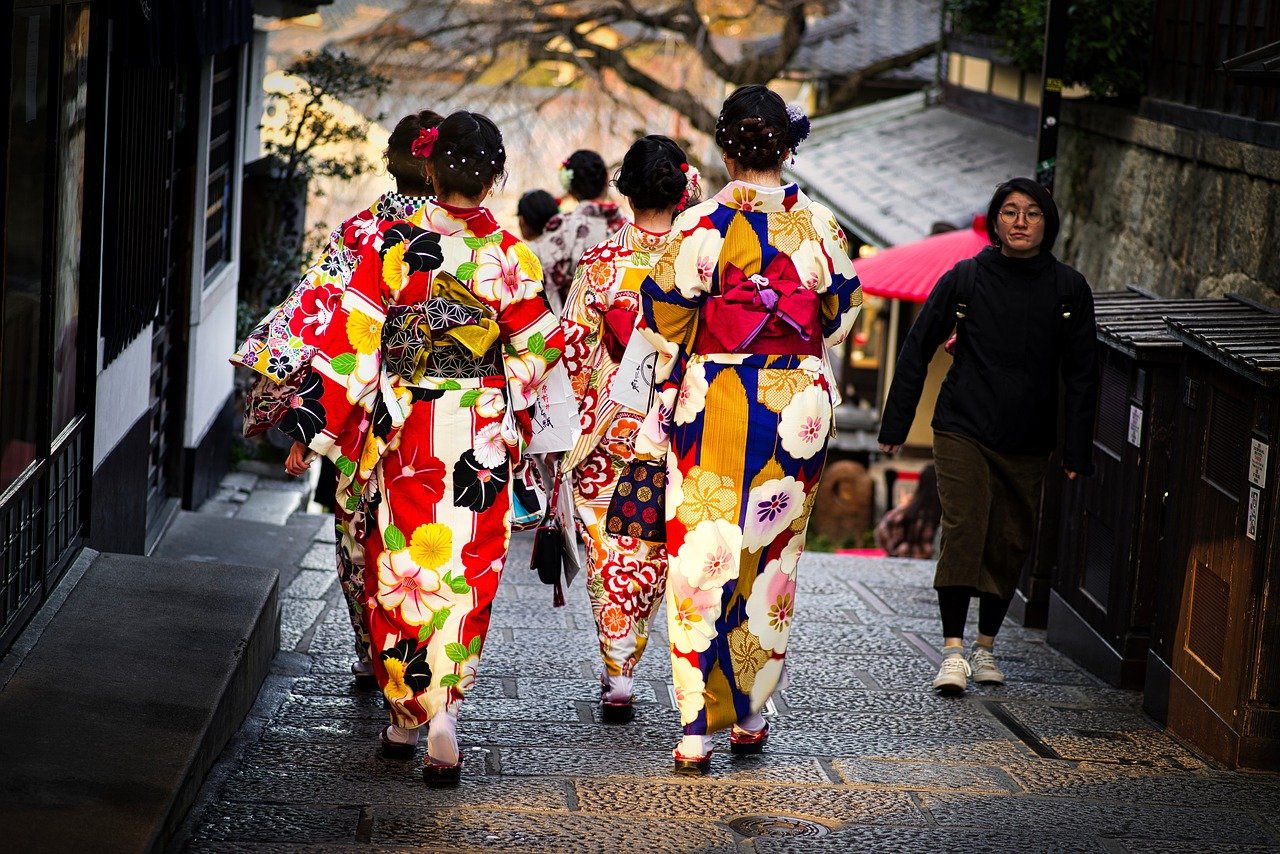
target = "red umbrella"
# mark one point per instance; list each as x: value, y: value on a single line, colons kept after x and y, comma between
x: 909, y: 271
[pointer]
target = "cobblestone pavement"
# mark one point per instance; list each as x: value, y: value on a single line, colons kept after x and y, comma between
x: 862, y: 756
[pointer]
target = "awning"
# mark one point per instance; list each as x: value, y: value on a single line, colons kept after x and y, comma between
x: 910, y: 270
x: 892, y: 169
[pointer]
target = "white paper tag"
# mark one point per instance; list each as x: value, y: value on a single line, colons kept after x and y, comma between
x: 1251, y: 526
x: 1258, y: 453
x: 632, y: 385
x: 554, y: 414
x: 1135, y: 426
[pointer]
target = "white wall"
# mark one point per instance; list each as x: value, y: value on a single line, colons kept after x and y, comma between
x: 123, y: 395
x: 212, y: 320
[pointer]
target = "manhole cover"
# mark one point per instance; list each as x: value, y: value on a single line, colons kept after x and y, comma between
x: 776, y: 825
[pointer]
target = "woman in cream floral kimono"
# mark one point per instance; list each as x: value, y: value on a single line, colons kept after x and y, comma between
x: 753, y: 283
x: 625, y: 574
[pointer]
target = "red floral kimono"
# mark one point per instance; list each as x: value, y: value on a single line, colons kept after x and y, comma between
x: 417, y: 394
x: 280, y: 349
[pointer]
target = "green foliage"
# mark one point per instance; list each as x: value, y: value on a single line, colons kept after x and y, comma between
x: 1108, y: 41
x: 311, y: 124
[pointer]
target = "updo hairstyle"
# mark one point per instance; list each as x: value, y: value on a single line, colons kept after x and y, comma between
x: 536, y: 207
x: 589, y: 174
x: 754, y: 128
x: 402, y: 163
x: 468, y: 155
x: 651, y: 176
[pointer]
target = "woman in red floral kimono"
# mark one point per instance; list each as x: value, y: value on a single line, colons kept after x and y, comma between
x: 419, y: 394
x: 625, y: 574
x: 281, y: 346
x: 753, y: 285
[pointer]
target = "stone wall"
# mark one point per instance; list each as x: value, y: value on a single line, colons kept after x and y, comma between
x: 1174, y: 211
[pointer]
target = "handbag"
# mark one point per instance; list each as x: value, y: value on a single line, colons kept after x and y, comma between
x: 637, y: 508
x: 528, y: 499
x: 548, y: 548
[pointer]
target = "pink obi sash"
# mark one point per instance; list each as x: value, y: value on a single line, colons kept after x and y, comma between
x: 770, y: 313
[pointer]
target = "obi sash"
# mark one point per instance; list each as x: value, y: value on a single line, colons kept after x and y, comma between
x: 451, y: 318
x: 770, y: 312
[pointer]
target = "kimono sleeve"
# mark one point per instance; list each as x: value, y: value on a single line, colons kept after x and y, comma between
x: 672, y: 296
x: 286, y: 338
x: 532, y: 340
x: 842, y: 297
x: 581, y: 321
x: 346, y: 385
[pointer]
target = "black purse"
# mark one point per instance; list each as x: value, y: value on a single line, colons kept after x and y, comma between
x: 548, y: 547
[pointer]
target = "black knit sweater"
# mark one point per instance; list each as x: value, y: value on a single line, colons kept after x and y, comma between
x: 1002, y: 389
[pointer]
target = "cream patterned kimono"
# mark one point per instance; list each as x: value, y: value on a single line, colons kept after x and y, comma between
x: 625, y: 576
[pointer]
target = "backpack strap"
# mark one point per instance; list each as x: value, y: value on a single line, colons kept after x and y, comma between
x: 966, y: 272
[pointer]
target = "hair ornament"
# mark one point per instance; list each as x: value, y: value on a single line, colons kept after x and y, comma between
x: 425, y: 142
x: 566, y: 175
x: 798, y: 124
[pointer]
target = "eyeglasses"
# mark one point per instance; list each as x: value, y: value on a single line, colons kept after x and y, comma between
x: 1010, y: 215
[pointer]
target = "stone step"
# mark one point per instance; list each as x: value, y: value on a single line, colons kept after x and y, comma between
x: 110, y: 722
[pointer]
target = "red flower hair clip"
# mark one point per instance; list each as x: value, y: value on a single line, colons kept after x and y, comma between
x: 425, y: 143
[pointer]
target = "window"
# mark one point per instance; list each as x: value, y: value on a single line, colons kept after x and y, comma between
x: 223, y: 141
x: 22, y: 314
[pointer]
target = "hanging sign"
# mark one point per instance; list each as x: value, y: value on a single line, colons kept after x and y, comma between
x: 1251, y: 526
x: 1258, y: 464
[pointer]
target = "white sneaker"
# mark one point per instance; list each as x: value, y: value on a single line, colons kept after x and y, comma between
x: 953, y: 675
x: 982, y: 663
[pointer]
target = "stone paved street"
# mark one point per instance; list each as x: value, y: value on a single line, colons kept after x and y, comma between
x: 862, y: 756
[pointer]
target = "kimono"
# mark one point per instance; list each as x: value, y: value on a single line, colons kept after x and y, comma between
x: 418, y: 394
x: 566, y: 240
x: 625, y: 575
x: 280, y: 348
x: 753, y: 283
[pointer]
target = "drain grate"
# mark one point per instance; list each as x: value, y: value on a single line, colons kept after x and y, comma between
x: 776, y: 826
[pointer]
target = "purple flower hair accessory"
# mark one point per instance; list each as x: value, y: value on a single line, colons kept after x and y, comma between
x: 798, y: 124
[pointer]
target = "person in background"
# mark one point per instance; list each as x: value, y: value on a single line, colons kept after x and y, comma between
x: 625, y: 574
x: 753, y: 285
x: 281, y: 346
x: 568, y: 236
x: 443, y: 329
x: 1023, y: 319
x: 909, y: 529
x: 534, y: 210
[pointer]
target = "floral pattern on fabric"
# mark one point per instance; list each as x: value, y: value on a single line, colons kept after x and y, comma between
x: 566, y: 240
x: 625, y: 576
x: 744, y: 429
x: 426, y: 458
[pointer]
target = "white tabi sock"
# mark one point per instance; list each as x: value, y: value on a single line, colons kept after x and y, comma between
x: 400, y: 735
x: 442, y: 739
x: 694, y: 746
x: 618, y: 689
x: 753, y: 722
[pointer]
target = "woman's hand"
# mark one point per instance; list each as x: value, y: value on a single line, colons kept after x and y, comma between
x: 299, y: 460
x: 1070, y: 474
x: 890, y: 449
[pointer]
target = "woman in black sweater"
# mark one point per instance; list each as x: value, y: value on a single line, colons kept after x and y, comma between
x: 1022, y: 319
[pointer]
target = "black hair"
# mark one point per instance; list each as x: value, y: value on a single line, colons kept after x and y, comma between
x: 469, y: 155
x: 536, y: 207
x: 754, y: 129
x: 402, y: 163
x: 651, y: 175
x: 923, y: 512
x: 1039, y: 195
x: 589, y: 174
